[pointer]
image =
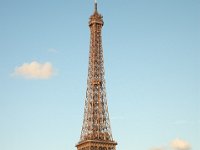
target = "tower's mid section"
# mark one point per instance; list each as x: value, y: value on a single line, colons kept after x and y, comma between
x: 96, y: 131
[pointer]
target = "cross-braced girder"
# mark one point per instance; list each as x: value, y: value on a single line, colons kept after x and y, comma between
x: 96, y: 124
x: 96, y: 130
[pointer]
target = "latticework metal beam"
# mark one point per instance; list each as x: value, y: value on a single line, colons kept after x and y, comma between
x: 96, y: 131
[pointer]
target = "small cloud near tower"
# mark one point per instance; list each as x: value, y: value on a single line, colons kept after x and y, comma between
x: 34, y: 70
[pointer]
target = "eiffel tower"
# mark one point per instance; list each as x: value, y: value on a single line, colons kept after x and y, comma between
x: 96, y: 131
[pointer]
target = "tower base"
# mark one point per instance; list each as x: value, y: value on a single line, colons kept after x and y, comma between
x: 96, y: 145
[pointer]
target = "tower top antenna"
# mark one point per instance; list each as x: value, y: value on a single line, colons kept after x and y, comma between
x: 95, y: 5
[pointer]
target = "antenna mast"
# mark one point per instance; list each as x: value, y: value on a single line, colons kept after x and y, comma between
x: 95, y: 5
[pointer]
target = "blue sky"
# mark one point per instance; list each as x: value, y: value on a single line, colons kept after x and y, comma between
x: 151, y: 52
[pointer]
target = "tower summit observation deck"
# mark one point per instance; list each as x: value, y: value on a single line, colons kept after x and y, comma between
x: 96, y: 131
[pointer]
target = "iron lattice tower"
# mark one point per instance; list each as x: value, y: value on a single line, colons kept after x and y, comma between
x: 96, y: 131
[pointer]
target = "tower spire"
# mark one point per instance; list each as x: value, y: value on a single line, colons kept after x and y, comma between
x: 95, y: 5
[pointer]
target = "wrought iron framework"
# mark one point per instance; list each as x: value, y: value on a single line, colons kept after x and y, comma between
x: 96, y: 131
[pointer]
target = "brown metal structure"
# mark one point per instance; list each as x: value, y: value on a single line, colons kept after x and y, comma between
x: 96, y: 131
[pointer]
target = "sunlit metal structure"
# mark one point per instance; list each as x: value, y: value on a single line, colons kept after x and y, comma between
x: 96, y: 131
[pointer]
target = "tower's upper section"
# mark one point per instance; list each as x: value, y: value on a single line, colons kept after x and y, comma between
x: 96, y: 18
x: 96, y: 123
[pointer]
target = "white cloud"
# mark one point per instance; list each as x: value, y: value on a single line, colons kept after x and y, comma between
x: 179, y: 144
x: 34, y: 70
